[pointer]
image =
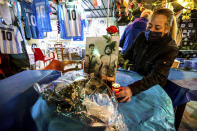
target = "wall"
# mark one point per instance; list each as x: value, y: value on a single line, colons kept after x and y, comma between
x: 97, y: 26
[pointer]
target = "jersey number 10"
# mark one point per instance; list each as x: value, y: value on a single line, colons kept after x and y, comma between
x: 73, y: 14
x: 31, y: 19
x: 41, y: 11
x: 6, y: 35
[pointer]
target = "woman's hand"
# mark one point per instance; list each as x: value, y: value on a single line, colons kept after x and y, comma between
x: 107, y: 78
x: 126, y: 93
x: 91, y: 75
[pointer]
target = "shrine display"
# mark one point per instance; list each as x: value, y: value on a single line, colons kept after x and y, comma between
x: 101, y: 55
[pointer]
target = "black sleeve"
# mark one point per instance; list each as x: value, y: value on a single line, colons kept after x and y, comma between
x: 159, y: 73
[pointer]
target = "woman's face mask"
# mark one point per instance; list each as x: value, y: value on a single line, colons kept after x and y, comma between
x: 153, y: 36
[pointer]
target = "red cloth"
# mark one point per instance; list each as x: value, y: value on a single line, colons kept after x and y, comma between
x: 54, y: 65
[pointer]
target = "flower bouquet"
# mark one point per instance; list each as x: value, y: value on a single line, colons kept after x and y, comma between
x: 82, y: 98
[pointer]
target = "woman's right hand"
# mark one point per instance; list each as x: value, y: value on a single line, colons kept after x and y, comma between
x: 125, y: 93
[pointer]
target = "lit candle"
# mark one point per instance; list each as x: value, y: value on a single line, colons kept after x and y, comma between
x: 116, y: 88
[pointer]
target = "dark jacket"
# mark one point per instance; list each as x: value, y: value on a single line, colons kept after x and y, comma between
x: 131, y: 32
x: 151, y: 60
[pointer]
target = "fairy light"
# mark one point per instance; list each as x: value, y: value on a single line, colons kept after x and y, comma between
x: 187, y: 3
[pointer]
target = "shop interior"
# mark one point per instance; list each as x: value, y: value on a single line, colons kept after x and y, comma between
x: 45, y: 47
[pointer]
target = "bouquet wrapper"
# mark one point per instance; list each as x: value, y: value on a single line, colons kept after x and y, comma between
x: 84, y: 99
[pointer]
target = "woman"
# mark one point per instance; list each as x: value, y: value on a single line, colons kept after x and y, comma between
x: 152, y: 53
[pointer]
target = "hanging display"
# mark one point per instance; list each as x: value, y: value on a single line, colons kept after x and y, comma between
x: 101, y: 56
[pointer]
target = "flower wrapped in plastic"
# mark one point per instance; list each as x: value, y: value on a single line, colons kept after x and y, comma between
x: 82, y: 98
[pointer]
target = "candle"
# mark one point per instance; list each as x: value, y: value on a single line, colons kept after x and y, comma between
x: 116, y: 87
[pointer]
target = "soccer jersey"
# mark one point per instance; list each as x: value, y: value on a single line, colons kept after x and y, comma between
x: 80, y: 38
x: 72, y: 21
x: 42, y: 10
x: 32, y: 29
x: 10, y: 40
x: 5, y: 13
x: 84, y: 23
x: 61, y: 19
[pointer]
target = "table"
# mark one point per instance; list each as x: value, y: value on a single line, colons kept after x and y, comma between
x: 182, y: 81
x: 17, y: 97
x: 149, y: 110
x: 15, y: 107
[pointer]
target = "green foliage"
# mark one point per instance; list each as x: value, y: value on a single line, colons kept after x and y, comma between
x: 113, y: 45
x: 107, y: 38
x: 124, y: 64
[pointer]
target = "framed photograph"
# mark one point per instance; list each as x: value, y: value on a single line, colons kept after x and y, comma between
x: 183, y: 25
x: 101, y: 58
x: 184, y: 35
x: 188, y: 33
x: 184, y: 43
x: 184, y: 31
x: 190, y: 25
x: 185, y: 39
x: 191, y: 43
x: 102, y: 22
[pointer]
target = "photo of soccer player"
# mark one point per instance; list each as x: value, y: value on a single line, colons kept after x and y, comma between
x: 101, y: 57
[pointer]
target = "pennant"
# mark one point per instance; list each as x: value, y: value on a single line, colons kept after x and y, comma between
x: 126, y: 3
x: 95, y: 3
x: 99, y: 2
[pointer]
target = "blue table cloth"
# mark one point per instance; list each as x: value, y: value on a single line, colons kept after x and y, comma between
x: 180, y: 93
x: 17, y: 97
x: 150, y: 110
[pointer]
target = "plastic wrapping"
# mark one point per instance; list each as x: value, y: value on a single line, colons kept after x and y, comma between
x: 81, y: 98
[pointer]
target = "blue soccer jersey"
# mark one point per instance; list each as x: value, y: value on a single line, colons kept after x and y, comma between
x: 42, y: 10
x: 61, y: 18
x: 32, y: 29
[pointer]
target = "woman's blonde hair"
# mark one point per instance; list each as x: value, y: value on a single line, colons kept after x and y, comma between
x: 146, y: 14
x: 171, y: 20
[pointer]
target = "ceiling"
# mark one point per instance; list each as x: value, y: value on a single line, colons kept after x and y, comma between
x: 98, y: 11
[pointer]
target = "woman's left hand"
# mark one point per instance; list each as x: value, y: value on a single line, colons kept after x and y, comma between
x: 125, y: 93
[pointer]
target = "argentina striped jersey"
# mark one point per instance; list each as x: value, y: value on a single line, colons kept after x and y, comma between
x: 10, y: 40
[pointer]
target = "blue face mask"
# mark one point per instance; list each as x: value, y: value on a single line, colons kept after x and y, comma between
x: 152, y: 36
